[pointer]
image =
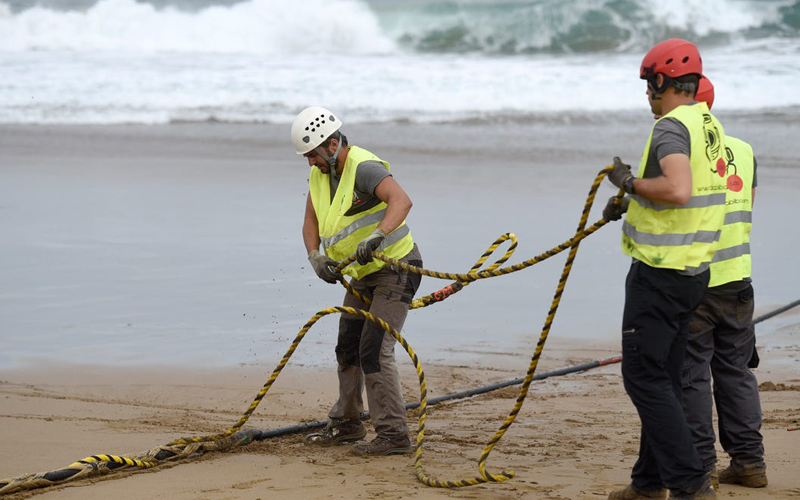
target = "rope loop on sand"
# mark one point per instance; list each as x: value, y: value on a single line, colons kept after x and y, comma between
x: 97, y: 465
x: 234, y: 436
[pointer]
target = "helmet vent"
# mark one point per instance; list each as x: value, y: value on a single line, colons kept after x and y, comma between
x: 669, y: 61
x: 685, y: 59
x: 311, y: 127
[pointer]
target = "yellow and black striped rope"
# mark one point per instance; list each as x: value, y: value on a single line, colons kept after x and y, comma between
x: 523, y: 391
x: 234, y: 436
x: 125, y: 461
x: 103, y: 464
x: 522, y: 394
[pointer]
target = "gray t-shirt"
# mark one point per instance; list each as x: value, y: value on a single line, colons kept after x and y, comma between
x: 669, y: 136
x: 755, y: 170
x: 369, y: 174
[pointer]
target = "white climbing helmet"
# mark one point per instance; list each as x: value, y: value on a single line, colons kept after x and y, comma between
x: 311, y: 127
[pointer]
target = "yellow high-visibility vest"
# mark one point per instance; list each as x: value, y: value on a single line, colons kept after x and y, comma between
x: 731, y: 260
x: 341, y: 233
x: 682, y: 237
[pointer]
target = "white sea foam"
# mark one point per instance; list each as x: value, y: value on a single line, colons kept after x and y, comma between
x: 704, y: 17
x: 254, y: 26
x: 122, y: 61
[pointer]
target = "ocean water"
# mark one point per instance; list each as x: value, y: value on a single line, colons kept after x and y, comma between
x: 161, y: 61
x: 180, y: 245
x: 133, y: 262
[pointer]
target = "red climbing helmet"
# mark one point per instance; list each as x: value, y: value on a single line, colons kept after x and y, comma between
x: 674, y: 57
x: 705, y: 92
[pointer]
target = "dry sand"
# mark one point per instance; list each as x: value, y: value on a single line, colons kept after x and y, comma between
x: 577, y: 435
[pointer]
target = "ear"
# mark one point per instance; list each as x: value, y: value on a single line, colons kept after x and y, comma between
x: 334, y: 143
x: 660, y: 79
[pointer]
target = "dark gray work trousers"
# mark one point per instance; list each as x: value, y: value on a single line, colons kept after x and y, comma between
x: 655, y: 327
x: 721, y: 346
x: 365, y: 351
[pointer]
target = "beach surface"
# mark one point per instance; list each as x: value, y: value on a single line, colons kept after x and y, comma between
x: 153, y: 276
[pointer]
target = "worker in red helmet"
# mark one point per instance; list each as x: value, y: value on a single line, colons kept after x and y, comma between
x: 722, y: 339
x: 675, y: 212
x: 705, y: 92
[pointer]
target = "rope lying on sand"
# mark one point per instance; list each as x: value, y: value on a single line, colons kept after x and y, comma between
x: 96, y: 465
x: 184, y: 447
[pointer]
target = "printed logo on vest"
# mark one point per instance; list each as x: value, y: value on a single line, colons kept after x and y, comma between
x: 712, y: 140
x: 735, y: 182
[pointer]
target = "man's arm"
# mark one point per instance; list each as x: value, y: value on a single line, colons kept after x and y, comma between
x: 398, y: 204
x: 673, y: 187
x: 310, y: 227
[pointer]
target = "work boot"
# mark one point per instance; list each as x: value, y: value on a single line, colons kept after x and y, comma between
x: 748, y: 475
x: 713, y: 476
x: 705, y: 492
x: 384, y: 446
x: 631, y: 493
x: 338, y: 432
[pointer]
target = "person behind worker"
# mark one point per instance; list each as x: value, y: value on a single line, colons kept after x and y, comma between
x: 722, y: 338
x: 355, y: 206
x: 675, y: 213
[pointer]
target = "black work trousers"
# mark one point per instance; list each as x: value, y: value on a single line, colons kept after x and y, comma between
x: 721, y: 344
x: 658, y: 306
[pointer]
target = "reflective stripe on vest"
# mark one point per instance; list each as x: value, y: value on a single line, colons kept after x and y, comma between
x: 682, y: 237
x: 340, y: 234
x: 732, y: 260
x: 367, y: 220
x: 731, y: 253
x: 700, y: 201
x: 739, y: 216
x: 669, y: 240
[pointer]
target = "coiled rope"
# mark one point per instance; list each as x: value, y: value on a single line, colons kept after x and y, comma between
x: 234, y: 436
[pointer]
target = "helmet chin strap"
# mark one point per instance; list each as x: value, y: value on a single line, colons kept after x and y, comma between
x: 332, y: 160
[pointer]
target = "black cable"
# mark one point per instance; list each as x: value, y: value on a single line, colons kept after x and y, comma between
x: 488, y: 388
x: 776, y: 312
x: 457, y: 395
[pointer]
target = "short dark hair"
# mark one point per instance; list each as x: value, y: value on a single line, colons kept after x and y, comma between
x: 336, y: 135
x: 687, y: 84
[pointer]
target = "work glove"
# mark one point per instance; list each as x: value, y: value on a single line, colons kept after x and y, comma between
x: 368, y: 245
x: 621, y: 172
x: 324, y: 266
x: 614, y: 211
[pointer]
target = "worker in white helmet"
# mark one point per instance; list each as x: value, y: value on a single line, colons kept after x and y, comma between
x: 355, y: 206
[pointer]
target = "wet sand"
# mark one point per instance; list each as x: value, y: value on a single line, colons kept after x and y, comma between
x: 153, y: 276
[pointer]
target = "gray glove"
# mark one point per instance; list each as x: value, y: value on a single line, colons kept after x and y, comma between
x: 621, y: 172
x: 614, y: 211
x: 324, y: 266
x: 368, y: 245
